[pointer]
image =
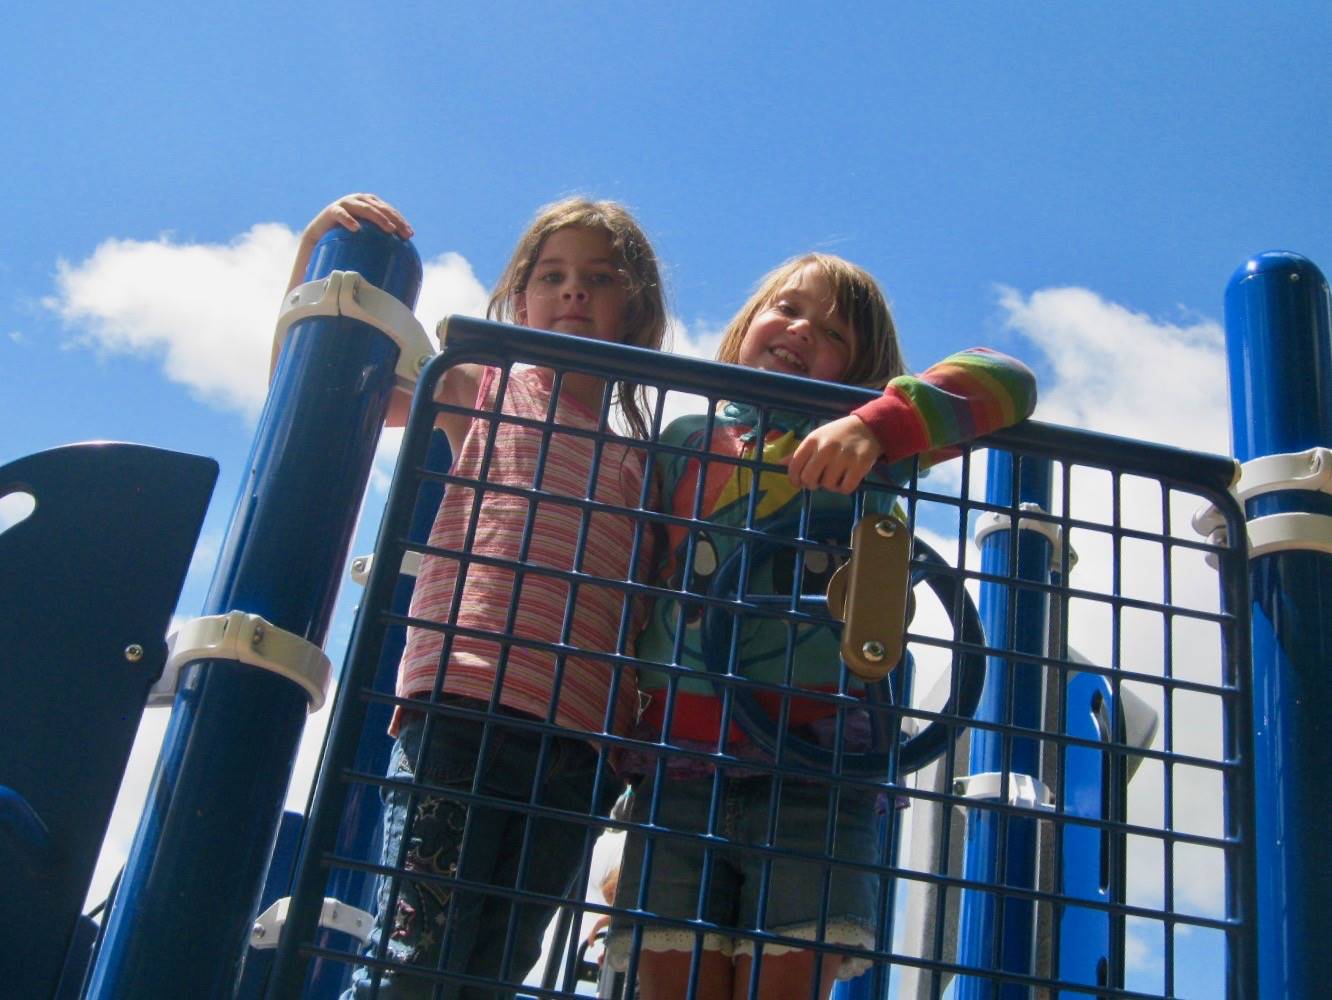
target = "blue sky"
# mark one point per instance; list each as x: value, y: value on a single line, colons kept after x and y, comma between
x: 1073, y: 184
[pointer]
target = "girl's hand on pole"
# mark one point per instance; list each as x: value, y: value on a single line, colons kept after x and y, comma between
x: 836, y: 456
x: 348, y: 211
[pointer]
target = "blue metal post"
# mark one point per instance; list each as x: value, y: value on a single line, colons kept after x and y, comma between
x: 1001, y: 850
x: 180, y: 923
x: 1279, y: 341
x: 259, y: 963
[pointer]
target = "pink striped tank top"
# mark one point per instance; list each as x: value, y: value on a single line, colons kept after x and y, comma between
x: 504, y: 591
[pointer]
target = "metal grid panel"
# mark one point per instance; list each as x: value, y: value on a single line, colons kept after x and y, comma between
x: 1123, y: 872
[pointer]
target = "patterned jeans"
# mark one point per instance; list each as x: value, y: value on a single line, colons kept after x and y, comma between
x: 436, y: 925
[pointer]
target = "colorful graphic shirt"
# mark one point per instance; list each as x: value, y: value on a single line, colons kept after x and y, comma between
x: 710, y: 480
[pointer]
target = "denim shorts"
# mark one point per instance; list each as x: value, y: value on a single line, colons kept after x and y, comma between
x: 734, y: 884
x: 432, y: 923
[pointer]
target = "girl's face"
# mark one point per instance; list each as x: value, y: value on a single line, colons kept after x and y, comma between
x: 798, y: 331
x: 575, y: 287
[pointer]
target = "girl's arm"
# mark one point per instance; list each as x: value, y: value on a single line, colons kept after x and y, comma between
x: 346, y: 212
x: 459, y: 385
x: 964, y: 396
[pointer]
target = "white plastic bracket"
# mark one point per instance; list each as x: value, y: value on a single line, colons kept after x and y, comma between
x: 991, y: 521
x: 362, y: 565
x: 1290, y: 531
x: 1023, y: 790
x: 1303, y: 470
x: 334, y: 915
x: 346, y: 293
x: 248, y: 639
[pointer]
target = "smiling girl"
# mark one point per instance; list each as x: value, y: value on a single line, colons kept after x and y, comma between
x: 819, y: 317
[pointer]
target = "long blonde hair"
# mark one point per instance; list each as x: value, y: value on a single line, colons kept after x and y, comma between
x: 876, y: 355
x: 635, y: 260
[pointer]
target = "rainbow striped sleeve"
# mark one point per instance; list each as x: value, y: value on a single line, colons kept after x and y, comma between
x: 964, y: 396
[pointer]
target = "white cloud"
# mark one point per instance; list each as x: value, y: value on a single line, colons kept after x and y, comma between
x: 307, y: 755
x: 449, y: 286
x: 700, y: 340
x: 129, y: 803
x: 1122, y: 372
x: 386, y: 457
x: 17, y: 336
x: 208, y: 310
x: 206, y: 551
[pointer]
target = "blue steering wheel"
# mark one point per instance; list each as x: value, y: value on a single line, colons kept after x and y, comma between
x: 927, y: 566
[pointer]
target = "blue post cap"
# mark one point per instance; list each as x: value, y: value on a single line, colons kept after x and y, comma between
x: 1275, y: 263
x: 386, y: 260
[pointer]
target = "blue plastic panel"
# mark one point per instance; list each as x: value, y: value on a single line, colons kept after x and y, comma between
x: 1091, y: 941
x: 94, y: 570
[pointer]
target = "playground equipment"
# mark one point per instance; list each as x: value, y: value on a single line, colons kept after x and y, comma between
x: 1130, y: 811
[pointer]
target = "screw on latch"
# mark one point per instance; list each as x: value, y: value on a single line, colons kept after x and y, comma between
x: 873, y: 650
x: 259, y: 931
x: 257, y: 636
x: 886, y: 528
x: 422, y: 361
x: 359, y: 564
x: 134, y: 652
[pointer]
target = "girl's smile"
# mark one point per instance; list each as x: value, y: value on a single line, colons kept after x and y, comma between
x: 799, y: 332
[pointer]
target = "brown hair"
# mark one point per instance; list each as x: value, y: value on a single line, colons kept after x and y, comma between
x: 635, y: 260
x: 876, y: 356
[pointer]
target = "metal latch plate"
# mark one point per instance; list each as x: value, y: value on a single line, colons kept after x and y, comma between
x: 869, y: 594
